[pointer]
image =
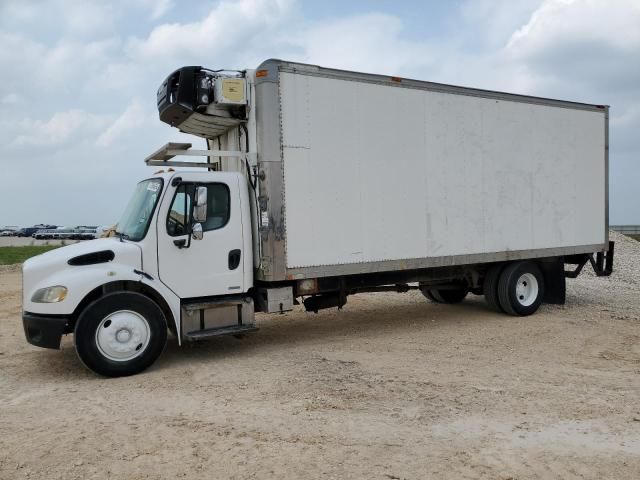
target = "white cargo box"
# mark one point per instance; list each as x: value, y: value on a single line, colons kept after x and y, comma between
x: 367, y: 173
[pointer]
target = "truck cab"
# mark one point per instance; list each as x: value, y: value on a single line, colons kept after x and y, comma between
x: 193, y: 231
x: 182, y: 246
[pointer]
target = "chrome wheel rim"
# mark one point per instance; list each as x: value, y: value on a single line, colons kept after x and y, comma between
x: 123, y: 335
x: 527, y: 289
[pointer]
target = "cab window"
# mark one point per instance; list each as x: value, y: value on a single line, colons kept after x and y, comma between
x: 180, y: 212
x: 218, y: 208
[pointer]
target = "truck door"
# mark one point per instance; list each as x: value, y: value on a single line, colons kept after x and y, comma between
x: 211, y: 265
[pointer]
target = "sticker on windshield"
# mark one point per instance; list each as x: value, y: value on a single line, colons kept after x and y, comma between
x: 153, y: 186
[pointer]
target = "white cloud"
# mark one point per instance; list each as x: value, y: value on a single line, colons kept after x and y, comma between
x: 78, y: 18
x: 494, y: 19
x: 155, y: 9
x: 127, y: 123
x: 628, y: 116
x: 226, y: 26
x: 84, y: 18
x: 22, y: 54
x: 557, y: 23
x: 160, y: 7
x: 371, y: 42
x: 74, y: 61
x: 61, y: 128
x: 58, y: 70
x: 11, y: 99
x: 18, y: 11
x: 91, y: 78
x: 239, y: 34
x: 581, y: 49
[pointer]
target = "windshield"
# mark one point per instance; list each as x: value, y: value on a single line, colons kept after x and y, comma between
x: 136, y: 217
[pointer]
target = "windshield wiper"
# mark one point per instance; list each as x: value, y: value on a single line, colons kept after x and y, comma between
x: 122, y: 236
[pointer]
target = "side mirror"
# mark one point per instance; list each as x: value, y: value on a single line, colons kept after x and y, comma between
x: 200, y: 207
x: 196, y: 231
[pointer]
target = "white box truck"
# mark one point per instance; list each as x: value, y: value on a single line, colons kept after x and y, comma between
x: 317, y: 184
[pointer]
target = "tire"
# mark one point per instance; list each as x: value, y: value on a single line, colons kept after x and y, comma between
x: 521, y: 288
x: 120, y: 334
x: 490, y: 287
x: 448, y: 296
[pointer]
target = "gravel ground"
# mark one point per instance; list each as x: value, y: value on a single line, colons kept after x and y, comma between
x: 391, y: 387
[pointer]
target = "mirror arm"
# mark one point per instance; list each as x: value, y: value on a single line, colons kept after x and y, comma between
x: 188, y: 222
x: 189, y: 229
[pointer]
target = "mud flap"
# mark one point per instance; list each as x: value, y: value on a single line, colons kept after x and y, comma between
x: 555, y: 283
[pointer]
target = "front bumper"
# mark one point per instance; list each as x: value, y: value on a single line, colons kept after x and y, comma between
x: 44, y: 330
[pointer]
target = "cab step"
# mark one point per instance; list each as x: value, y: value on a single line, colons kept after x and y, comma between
x: 216, y: 332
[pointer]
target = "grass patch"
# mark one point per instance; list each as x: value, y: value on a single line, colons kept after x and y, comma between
x: 635, y: 237
x: 13, y: 255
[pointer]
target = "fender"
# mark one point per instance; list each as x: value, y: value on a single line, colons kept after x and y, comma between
x: 86, y: 284
x: 79, y: 281
x: 145, y: 284
x: 171, y: 299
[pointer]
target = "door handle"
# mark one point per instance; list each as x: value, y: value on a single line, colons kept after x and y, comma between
x: 181, y: 243
x: 234, y: 259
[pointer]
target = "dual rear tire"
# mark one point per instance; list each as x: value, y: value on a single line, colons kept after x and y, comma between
x: 515, y: 288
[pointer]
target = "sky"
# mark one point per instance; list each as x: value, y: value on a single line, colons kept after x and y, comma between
x: 79, y: 77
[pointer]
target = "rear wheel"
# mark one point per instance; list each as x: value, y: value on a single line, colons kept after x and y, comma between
x: 490, y: 287
x: 521, y: 288
x: 454, y: 295
x: 120, y: 334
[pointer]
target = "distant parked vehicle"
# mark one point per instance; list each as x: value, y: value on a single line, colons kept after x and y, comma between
x: 44, y: 234
x: 86, y: 234
x: 77, y: 233
x: 64, y: 234
x: 9, y: 231
x: 30, y: 231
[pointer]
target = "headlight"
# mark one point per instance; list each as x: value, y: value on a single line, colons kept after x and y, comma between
x: 50, y: 294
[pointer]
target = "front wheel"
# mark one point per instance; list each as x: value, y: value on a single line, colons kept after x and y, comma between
x: 120, y: 334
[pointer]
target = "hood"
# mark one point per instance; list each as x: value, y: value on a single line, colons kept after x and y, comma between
x: 82, y: 254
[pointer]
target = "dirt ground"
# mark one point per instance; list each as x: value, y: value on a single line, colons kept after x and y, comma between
x: 391, y: 387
